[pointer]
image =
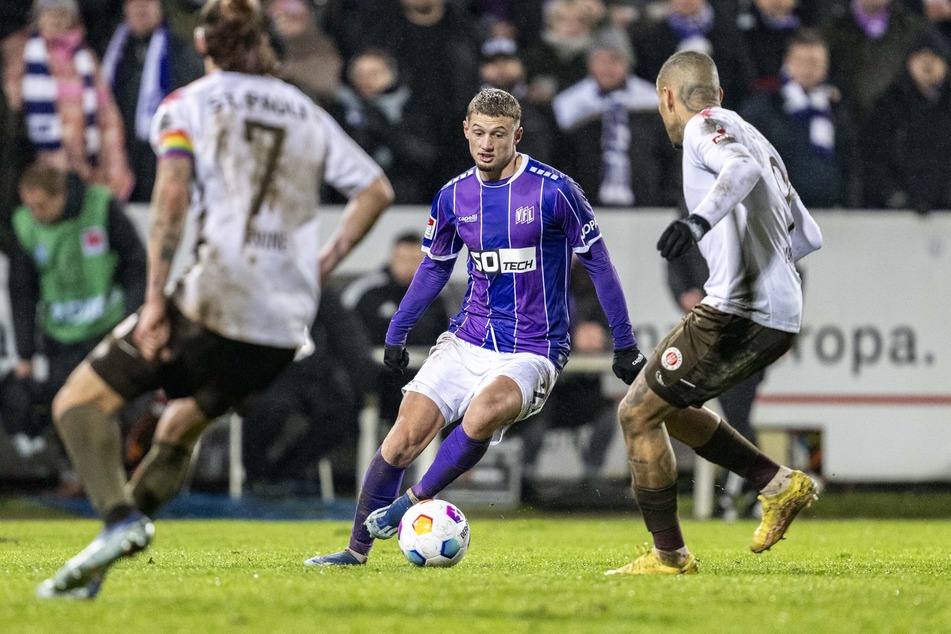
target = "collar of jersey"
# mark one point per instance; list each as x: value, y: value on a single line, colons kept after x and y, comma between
x: 505, y: 181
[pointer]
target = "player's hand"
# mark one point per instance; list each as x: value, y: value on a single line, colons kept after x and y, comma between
x: 152, y: 331
x: 396, y: 358
x: 628, y: 363
x: 680, y: 235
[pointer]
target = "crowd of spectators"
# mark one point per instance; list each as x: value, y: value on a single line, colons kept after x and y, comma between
x: 818, y: 76
x: 856, y: 95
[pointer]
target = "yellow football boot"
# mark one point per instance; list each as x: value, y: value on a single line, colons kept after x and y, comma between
x: 781, y: 509
x: 650, y: 564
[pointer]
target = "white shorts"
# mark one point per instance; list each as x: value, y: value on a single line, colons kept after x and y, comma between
x: 457, y: 370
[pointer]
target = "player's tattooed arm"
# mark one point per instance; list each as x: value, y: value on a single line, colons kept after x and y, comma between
x: 169, y: 205
x: 170, y: 199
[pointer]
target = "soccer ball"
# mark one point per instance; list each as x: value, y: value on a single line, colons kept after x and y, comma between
x: 434, y: 533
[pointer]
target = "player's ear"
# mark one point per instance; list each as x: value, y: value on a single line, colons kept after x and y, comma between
x: 721, y: 95
x: 200, y: 46
x: 518, y: 134
x: 669, y: 99
x: 465, y: 127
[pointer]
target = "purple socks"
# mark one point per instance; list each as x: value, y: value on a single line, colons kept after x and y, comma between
x: 381, y: 485
x: 458, y: 454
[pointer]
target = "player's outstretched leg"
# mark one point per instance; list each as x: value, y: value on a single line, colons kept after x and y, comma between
x: 381, y: 484
x: 81, y: 577
x: 383, y: 523
x: 650, y: 563
x: 345, y: 557
x: 458, y: 453
x: 795, y: 492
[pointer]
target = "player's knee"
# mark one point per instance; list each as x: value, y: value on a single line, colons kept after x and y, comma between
x: 84, y: 387
x: 64, y: 400
x: 629, y: 410
x: 635, y: 413
x: 406, y: 441
x: 626, y: 414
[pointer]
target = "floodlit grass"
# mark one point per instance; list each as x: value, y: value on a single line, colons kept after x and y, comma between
x: 520, y: 575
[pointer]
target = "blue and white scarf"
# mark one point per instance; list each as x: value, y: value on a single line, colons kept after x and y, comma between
x: 44, y: 125
x: 815, y: 108
x: 585, y: 102
x: 156, y: 75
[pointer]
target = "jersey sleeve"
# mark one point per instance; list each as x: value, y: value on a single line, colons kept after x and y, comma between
x: 713, y: 143
x: 575, y: 217
x: 715, y: 148
x: 348, y: 168
x: 441, y: 241
x: 171, y: 133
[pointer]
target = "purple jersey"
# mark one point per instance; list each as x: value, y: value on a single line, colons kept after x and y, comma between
x: 520, y: 233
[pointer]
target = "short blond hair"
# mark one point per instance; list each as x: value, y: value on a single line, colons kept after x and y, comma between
x: 693, y: 78
x: 493, y: 102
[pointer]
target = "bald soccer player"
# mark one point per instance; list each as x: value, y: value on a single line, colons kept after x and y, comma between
x: 751, y: 228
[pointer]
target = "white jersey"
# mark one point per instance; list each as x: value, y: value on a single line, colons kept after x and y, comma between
x: 735, y: 179
x: 260, y: 148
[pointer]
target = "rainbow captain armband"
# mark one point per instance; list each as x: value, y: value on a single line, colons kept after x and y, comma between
x: 175, y: 144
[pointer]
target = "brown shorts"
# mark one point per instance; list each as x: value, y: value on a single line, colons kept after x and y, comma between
x: 709, y: 352
x: 219, y: 373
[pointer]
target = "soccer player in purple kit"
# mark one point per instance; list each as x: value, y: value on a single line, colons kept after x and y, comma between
x: 521, y: 221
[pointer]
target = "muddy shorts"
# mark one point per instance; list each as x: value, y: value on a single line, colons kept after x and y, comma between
x: 709, y: 352
x: 220, y: 373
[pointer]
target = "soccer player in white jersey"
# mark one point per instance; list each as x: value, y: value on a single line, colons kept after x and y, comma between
x: 521, y: 221
x: 247, y: 152
x: 751, y: 228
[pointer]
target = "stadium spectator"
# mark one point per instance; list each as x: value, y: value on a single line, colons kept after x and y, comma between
x: 808, y: 124
x: 497, y: 363
x: 312, y: 407
x: 559, y: 58
x: 617, y: 147
x: 766, y: 26
x: 71, y: 117
x: 310, y: 60
x: 938, y: 12
x: 16, y: 152
x: 577, y: 402
x: 867, y: 46
x: 387, y: 120
x: 144, y: 63
x: 235, y: 319
x: 15, y: 400
x: 376, y: 296
x: 907, y: 141
x: 696, y: 25
x: 502, y: 67
x: 77, y: 269
x: 510, y: 19
x: 686, y: 277
x: 436, y: 48
x: 751, y: 228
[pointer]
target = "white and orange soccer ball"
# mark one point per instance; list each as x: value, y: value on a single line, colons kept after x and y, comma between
x: 434, y: 533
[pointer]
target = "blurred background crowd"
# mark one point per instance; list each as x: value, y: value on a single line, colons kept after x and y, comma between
x: 855, y: 95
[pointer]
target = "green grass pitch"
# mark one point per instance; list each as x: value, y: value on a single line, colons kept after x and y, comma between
x: 523, y: 574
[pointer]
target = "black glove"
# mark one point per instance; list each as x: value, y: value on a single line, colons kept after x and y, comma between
x: 396, y: 358
x: 682, y: 234
x: 628, y: 363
